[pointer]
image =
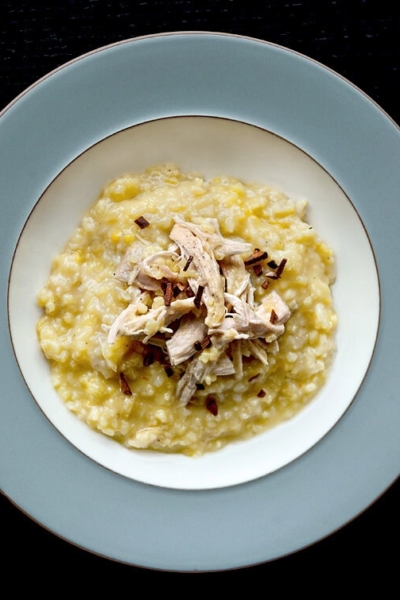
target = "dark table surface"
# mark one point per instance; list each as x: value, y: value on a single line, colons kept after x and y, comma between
x: 359, y: 39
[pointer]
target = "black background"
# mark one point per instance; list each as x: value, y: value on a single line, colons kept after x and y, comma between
x: 359, y: 39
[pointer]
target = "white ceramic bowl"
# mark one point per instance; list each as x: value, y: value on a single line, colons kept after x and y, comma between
x: 212, y: 146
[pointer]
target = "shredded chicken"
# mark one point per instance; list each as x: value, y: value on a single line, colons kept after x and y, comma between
x: 129, y: 266
x: 236, y: 275
x: 207, y: 271
x: 245, y: 322
x: 223, y: 366
x: 130, y: 322
x: 210, y: 304
x: 194, y: 374
x: 181, y: 346
x: 155, y: 266
x: 222, y: 247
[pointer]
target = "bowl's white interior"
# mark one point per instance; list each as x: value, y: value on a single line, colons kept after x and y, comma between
x: 213, y: 147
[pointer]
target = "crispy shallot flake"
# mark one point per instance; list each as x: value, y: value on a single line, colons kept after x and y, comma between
x: 272, y: 275
x: 188, y: 262
x: 258, y: 270
x: 256, y: 257
x: 281, y: 267
x: 211, y: 405
x: 142, y: 222
x: 148, y: 359
x: 166, y: 287
x: 265, y: 284
x: 254, y: 377
x: 189, y: 292
x: 178, y: 288
x: 125, y: 389
x: 168, y: 370
x: 205, y: 343
x: 197, y: 300
x: 274, y: 317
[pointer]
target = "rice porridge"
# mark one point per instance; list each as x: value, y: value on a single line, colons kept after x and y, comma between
x: 184, y: 314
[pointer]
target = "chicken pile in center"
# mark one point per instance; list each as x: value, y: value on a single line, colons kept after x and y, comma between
x: 196, y: 301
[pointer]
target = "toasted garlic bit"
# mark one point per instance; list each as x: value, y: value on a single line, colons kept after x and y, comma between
x: 184, y: 314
